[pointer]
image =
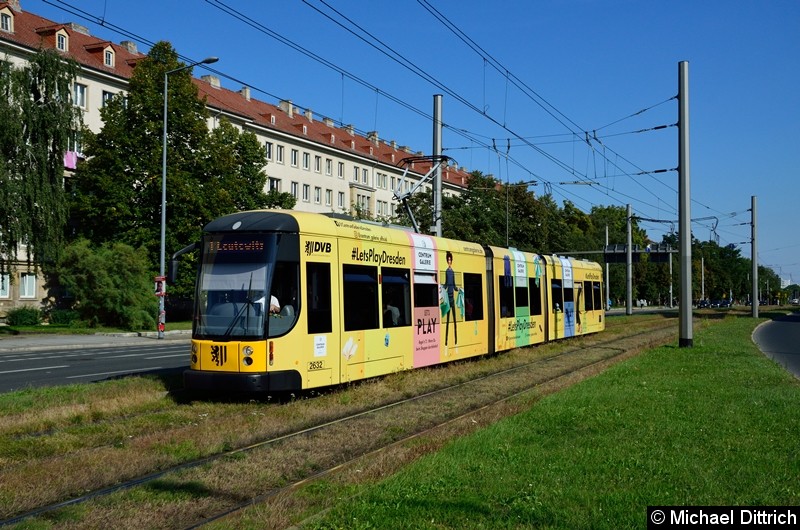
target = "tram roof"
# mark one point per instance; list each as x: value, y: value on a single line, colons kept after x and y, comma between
x: 326, y: 225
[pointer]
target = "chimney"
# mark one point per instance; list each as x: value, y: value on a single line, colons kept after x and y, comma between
x: 129, y: 45
x: 211, y: 80
x: 286, y: 106
x: 309, y: 115
x: 349, y: 129
x: 80, y: 29
x: 393, y: 144
x: 245, y: 92
x: 372, y: 136
x: 14, y: 4
x: 328, y: 122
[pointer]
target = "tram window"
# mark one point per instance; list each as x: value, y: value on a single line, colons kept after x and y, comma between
x: 587, y: 293
x: 506, y: 289
x: 396, y: 294
x: 569, y: 295
x: 473, y: 296
x: 597, y: 289
x: 536, y: 296
x: 426, y: 294
x: 521, y: 296
x: 558, y: 297
x: 318, y: 297
x: 360, y: 297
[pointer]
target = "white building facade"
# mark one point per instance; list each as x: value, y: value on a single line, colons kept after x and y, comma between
x: 328, y: 168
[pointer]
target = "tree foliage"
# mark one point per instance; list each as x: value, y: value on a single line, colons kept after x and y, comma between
x: 117, y: 193
x: 37, y: 117
x: 110, y: 285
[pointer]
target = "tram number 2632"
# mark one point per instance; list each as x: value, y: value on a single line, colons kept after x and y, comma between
x: 316, y: 365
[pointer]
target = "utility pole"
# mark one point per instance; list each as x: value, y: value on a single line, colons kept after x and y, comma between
x: 754, y: 259
x: 437, y: 155
x: 629, y: 267
x: 608, y: 278
x: 684, y: 209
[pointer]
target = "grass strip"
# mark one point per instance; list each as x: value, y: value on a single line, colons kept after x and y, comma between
x: 715, y: 424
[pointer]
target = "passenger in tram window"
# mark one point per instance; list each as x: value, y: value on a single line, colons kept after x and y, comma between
x: 452, y: 289
x: 391, y: 315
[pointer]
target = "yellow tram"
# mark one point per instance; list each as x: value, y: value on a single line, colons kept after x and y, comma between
x: 290, y: 300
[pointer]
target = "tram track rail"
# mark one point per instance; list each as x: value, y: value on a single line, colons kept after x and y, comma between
x: 303, y: 455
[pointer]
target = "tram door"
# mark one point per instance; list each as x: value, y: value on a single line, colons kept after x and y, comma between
x: 320, y: 349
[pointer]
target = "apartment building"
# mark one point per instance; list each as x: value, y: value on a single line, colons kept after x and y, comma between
x: 326, y: 166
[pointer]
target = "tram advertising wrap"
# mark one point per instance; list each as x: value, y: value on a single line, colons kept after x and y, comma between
x: 290, y: 300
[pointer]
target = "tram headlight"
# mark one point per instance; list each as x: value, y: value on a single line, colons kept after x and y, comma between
x: 247, y: 351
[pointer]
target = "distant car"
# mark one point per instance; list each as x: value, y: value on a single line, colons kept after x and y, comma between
x: 715, y: 303
x: 795, y: 301
x: 703, y: 304
x: 724, y: 303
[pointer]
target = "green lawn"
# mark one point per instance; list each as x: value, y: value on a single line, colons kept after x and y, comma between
x: 716, y: 424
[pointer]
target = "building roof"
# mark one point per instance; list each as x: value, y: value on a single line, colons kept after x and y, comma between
x: 34, y: 32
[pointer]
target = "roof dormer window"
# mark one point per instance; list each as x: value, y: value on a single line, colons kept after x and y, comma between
x: 6, y: 20
x: 62, y: 41
x: 108, y: 57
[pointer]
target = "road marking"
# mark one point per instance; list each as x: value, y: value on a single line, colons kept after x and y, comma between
x: 165, y: 356
x: 117, y: 372
x: 34, y: 369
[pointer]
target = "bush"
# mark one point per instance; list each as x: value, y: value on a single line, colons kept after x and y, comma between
x: 24, y: 316
x: 63, y: 317
x: 111, y: 285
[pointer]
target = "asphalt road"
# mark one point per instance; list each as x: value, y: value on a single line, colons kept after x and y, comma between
x: 31, y: 362
x: 779, y: 339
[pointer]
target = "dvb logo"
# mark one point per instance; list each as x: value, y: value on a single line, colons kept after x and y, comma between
x: 313, y: 247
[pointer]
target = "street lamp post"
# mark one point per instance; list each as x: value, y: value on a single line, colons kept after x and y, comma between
x: 161, y: 311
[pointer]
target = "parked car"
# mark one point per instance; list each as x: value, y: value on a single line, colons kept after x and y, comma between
x: 703, y: 304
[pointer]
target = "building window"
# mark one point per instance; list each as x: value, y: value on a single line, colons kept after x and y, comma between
x: 75, y: 142
x: 268, y: 150
x: 365, y: 176
x: 61, y: 42
x: 318, y: 164
x: 279, y: 154
x: 317, y: 195
x: 356, y: 171
x: 108, y: 58
x: 306, y: 161
x: 79, y: 95
x: 306, y: 192
x: 5, y: 288
x: 274, y: 184
x: 328, y: 167
x: 27, y: 285
x: 328, y: 197
x: 340, y: 170
x: 107, y: 96
x: 340, y: 200
x: 5, y: 22
x: 295, y: 188
x: 295, y: 154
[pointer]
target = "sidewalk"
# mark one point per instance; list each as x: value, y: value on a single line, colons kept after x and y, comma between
x: 33, y: 342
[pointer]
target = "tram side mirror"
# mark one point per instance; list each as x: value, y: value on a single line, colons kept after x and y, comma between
x: 172, y: 271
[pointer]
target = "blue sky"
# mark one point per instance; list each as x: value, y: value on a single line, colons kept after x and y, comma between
x: 523, y: 82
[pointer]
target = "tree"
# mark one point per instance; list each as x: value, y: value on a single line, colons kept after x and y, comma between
x: 117, y: 193
x: 38, y: 118
x: 110, y: 285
